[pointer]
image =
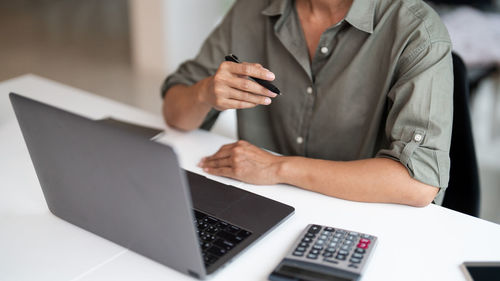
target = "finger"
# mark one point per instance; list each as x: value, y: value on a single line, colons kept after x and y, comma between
x: 237, y: 104
x: 250, y: 86
x: 252, y: 70
x: 217, y: 163
x: 223, y: 171
x: 223, y: 152
x: 236, y: 94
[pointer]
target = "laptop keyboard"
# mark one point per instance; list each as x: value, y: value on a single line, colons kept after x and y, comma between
x: 216, y: 236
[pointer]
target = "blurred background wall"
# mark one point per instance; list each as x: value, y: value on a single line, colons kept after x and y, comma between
x: 124, y: 49
x: 116, y: 48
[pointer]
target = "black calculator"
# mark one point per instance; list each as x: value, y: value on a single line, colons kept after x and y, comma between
x: 326, y: 253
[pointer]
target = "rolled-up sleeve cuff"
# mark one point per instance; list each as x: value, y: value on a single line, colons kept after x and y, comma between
x: 427, y: 165
x: 173, y: 80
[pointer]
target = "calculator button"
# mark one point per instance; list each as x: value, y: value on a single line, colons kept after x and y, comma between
x: 326, y: 233
x: 335, y: 239
x: 362, y: 245
x: 359, y: 250
x: 329, y: 229
x: 340, y: 257
x: 346, y: 247
x: 357, y: 255
x: 312, y: 256
x: 330, y: 249
x: 318, y: 247
x: 314, y: 252
x: 343, y: 252
x: 310, y: 235
x: 348, y: 242
x: 355, y: 260
x: 338, y: 235
x: 314, y: 229
x: 366, y: 236
x: 333, y: 245
x: 364, y: 240
x: 327, y: 254
x: 320, y: 242
x: 323, y: 237
x: 304, y: 244
x: 306, y: 239
x: 300, y: 249
x: 298, y: 253
x: 350, y: 237
x: 354, y: 233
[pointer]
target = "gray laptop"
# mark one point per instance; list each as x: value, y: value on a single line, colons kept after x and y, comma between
x: 126, y: 188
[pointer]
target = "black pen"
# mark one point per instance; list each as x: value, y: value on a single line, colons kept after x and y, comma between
x: 263, y: 83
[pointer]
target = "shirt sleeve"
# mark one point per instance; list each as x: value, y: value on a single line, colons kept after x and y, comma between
x: 420, y: 112
x: 206, y: 63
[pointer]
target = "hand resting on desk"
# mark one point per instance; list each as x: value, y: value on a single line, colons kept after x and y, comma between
x: 369, y: 180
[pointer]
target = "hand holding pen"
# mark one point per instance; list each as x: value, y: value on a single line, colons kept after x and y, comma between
x: 230, y: 87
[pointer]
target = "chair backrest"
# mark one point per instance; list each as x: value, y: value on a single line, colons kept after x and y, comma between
x: 463, y: 189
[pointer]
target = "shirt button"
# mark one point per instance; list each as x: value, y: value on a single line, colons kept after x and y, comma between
x: 309, y: 90
x: 300, y: 140
x: 324, y: 50
x: 417, y: 137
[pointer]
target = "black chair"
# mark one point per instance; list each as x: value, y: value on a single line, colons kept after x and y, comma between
x: 463, y: 189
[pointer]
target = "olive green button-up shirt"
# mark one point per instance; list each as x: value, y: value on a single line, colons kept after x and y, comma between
x: 380, y: 83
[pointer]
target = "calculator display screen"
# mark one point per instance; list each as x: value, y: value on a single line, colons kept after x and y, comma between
x: 294, y: 271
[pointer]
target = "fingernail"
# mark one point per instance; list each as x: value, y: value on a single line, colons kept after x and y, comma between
x: 272, y: 94
x: 205, y: 169
x: 270, y: 75
x: 267, y: 101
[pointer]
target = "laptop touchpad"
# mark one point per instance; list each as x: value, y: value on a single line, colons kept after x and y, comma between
x: 237, y: 206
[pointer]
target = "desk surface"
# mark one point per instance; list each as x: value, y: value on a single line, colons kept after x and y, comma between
x: 414, y: 243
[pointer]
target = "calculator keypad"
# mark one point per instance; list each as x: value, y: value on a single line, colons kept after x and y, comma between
x: 334, y: 247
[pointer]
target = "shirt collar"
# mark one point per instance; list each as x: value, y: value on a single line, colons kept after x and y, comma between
x: 275, y: 8
x: 360, y: 15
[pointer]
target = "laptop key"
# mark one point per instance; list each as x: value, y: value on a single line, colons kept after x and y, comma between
x: 224, y: 244
x: 209, y: 259
x: 243, y: 233
x: 233, y: 229
x: 212, y: 229
x: 228, y: 236
x: 223, y: 225
x: 216, y: 251
x: 211, y: 220
x: 205, y: 245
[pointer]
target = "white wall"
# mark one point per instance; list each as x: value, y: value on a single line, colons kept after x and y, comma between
x: 167, y: 32
x: 187, y: 24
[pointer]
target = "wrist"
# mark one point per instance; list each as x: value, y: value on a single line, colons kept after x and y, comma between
x: 202, y: 92
x: 282, y: 167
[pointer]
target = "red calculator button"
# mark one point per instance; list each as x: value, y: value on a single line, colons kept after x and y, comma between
x: 363, y: 245
x: 364, y: 240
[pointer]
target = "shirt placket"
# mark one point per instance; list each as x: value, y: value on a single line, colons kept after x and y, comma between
x: 323, y: 53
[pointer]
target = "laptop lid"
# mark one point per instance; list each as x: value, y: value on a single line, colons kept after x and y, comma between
x: 113, y: 183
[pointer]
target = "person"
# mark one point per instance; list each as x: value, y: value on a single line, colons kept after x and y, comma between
x: 366, y: 110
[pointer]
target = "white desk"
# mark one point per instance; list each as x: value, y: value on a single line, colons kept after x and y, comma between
x: 414, y: 243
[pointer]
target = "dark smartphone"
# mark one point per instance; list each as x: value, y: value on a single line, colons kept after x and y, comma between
x: 481, y: 271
